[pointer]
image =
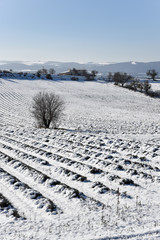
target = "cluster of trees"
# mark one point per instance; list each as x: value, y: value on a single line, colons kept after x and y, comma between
x: 128, y: 81
x: 123, y: 77
x: 4, y: 73
x: 11, y: 74
x: 45, y: 73
x: 80, y: 72
x: 74, y: 72
x: 92, y: 75
x: 137, y: 85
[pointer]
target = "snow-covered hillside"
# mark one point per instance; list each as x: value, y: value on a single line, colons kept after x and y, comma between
x: 97, y: 177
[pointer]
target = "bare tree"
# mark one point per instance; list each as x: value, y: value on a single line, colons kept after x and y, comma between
x: 42, y: 71
x: 152, y: 73
x: 52, y: 71
x: 110, y: 76
x: 121, y: 78
x: 94, y: 73
x: 47, y: 109
x: 146, y: 86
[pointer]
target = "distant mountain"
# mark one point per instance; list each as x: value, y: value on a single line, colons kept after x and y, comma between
x: 103, y: 68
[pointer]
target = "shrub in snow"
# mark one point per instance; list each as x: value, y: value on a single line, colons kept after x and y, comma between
x: 135, y: 85
x: 47, y: 109
x: 74, y: 78
x: 152, y: 73
x: 48, y: 76
x: 155, y: 94
x: 146, y: 86
x: 38, y: 74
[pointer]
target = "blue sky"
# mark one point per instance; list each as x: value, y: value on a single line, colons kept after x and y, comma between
x: 80, y: 30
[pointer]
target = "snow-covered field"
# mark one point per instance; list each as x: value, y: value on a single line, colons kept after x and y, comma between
x: 97, y: 177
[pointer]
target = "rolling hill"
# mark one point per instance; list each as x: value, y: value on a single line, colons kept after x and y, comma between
x: 97, y: 177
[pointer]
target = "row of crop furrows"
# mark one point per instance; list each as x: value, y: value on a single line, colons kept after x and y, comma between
x: 11, y: 101
x: 12, y: 104
x: 52, y: 189
x: 11, y: 117
x: 48, y: 159
x: 132, y: 165
x: 100, y: 159
x: 66, y: 173
x: 48, y: 168
x: 131, y: 149
x: 96, y: 142
x: 7, y: 93
x: 7, y: 208
x: 101, y: 147
x: 94, y: 181
x: 24, y: 196
x: 12, y: 120
x: 62, y: 160
x: 118, y: 167
x: 71, y: 142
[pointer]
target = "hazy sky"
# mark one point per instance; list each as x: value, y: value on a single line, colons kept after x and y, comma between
x: 80, y: 30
